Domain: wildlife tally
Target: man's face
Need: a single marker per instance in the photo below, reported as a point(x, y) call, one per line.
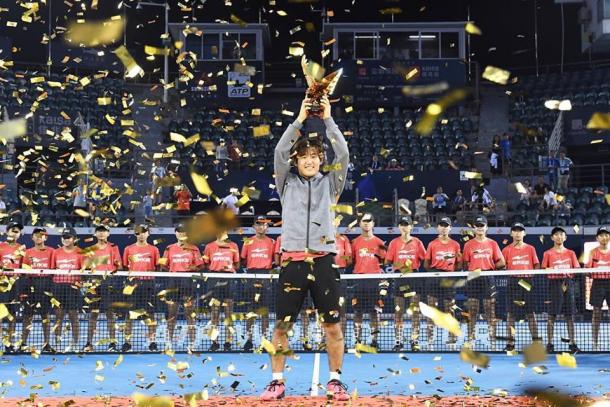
point(39, 238)
point(603, 239)
point(405, 229)
point(443, 229)
point(181, 236)
point(308, 164)
point(13, 234)
point(102, 235)
point(142, 236)
point(517, 235)
point(67, 241)
point(260, 228)
point(480, 229)
point(367, 226)
point(559, 237)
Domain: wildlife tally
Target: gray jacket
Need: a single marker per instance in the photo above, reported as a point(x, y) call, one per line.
point(307, 214)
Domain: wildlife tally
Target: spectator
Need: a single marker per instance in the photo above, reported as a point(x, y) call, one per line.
point(439, 201)
point(493, 162)
point(2, 205)
point(157, 172)
point(147, 201)
point(183, 200)
point(375, 164)
point(230, 201)
point(562, 210)
point(526, 196)
point(222, 155)
point(495, 142)
point(549, 200)
point(459, 202)
point(421, 210)
point(505, 144)
point(540, 187)
point(349, 180)
point(235, 154)
point(393, 165)
point(552, 165)
point(564, 164)
point(482, 199)
point(79, 196)
point(404, 207)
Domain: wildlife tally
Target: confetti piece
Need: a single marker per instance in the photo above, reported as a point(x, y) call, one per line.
point(534, 353)
point(427, 123)
point(149, 50)
point(475, 358)
point(132, 69)
point(360, 347)
point(599, 121)
point(347, 209)
point(520, 188)
point(472, 29)
point(201, 183)
point(566, 360)
point(496, 75)
point(95, 33)
point(268, 346)
point(441, 319)
point(142, 400)
point(261, 131)
point(473, 175)
point(3, 312)
point(526, 286)
point(11, 129)
point(128, 289)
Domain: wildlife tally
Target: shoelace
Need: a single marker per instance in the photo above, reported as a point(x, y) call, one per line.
point(271, 386)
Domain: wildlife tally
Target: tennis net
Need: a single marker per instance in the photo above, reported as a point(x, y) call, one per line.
point(62, 311)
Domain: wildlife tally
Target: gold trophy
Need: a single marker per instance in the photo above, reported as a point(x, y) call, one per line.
point(318, 85)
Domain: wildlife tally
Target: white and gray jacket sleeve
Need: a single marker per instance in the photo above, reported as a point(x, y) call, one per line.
point(281, 159)
point(339, 146)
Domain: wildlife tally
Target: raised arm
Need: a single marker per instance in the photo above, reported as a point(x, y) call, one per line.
point(281, 159)
point(339, 146)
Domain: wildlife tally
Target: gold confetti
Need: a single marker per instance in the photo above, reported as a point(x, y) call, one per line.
point(360, 347)
point(82, 213)
point(534, 353)
point(149, 50)
point(262, 130)
point(599, 121)
point(132, 69)
point(347, 209)
point(4, 312)
point(475, 358)
point(143, 400)
point(11, 129)
point(268, 346)
point(128, 289)
point(473, 175)
point(427, 123)
point(520, 188)
point(95, 33)
point(441, 319)
point(242, 201)
point(526, 286)
point(496, 75)
point(566, 360)
point(201, 183)
point(472, 29)
point(99, 378)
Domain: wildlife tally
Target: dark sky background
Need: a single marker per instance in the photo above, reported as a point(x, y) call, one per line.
point(507, 40)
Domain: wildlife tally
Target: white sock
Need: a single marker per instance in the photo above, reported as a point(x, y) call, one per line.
point(334, 376)
point(278, 376)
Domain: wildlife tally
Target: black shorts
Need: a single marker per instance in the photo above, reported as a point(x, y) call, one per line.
point(481, 288)
point(259, 292)
point(10, 298)
point(223, 289)
point(408, 286)
point(441, 288)
point(143, 296)
point(519, 301)
point(180, 289)
point(32, 294)
point(295, 283)
point(369, 294)
point(68, 295)
point(561, 297)
point(600, 291)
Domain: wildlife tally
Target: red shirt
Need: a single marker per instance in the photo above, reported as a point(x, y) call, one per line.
point(184, 200)
point(182, 259)
point(38, 259)
point(344, 251)
point(443, 256)
point(141, 258)
point(221, 258)
point(520, 258)
point(482, 255)
point(599, 259)
point(11, 255)
point(368, 255)
point(565, 259)
point(113, 257)
point(277, 248)
point(401, 253)
point(258, 253)
point(63, 260)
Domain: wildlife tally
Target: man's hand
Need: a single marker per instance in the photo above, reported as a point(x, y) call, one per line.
point(303, 113)
point(327, 110)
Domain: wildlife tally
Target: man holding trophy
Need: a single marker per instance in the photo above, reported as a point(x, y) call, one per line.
point(308, 234)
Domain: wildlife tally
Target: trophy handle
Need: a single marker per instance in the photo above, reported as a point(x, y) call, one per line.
point(332, 79)
point(308, 78)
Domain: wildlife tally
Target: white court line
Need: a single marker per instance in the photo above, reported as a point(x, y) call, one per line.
point(315, 377)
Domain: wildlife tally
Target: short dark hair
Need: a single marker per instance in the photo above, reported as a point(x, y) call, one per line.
point(302, 145)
